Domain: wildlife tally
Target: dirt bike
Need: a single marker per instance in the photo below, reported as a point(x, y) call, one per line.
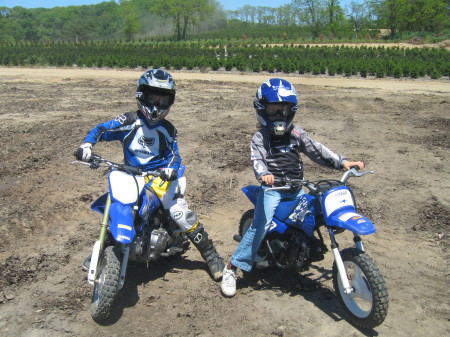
point(291, 243)
point(134, 227)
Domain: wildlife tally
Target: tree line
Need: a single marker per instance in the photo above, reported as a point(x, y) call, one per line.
point(188, 19)
point(328, 15)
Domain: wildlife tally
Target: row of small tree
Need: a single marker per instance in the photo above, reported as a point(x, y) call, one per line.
point(339, 60)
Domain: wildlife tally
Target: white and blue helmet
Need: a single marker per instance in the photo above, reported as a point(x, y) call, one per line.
point(276, 90)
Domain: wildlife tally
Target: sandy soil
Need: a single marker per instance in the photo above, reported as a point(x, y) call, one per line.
point(399, 127)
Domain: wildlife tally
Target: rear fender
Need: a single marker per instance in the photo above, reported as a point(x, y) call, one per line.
point(251, 191)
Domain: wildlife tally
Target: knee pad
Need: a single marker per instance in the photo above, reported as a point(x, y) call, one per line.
point(183, 216)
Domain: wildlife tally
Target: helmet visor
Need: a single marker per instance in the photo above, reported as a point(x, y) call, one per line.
point(278, 109)
point(159, 99)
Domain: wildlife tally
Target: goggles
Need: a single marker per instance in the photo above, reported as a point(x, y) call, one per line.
point(280, 109)
point(161, 100)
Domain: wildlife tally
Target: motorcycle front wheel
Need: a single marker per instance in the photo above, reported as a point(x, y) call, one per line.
point(367, 305)
point(106, 284)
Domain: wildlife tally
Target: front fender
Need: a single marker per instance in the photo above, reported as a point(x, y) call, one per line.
point(122, 222)
point(352, 221)
point(339, 210)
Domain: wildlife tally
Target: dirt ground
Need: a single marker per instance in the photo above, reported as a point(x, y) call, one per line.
point(400, 128)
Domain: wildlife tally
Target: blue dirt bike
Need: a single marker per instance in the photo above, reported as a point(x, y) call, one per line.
point(134, 227)
point(291, 243)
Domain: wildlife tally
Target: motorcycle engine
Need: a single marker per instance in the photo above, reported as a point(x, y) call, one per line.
point(149, 246)
point(294, 249)
point(284, 251)
point(136, 248)
point(158, 243)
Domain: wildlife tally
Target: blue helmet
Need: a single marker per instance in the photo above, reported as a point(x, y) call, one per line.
point(278, 118)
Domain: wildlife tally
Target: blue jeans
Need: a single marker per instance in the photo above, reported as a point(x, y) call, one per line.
point(266, 204)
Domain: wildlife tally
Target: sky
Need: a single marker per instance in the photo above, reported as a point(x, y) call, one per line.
point(227, 4)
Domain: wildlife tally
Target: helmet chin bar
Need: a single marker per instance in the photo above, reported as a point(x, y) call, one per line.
point(153, 114)
point(279, 128)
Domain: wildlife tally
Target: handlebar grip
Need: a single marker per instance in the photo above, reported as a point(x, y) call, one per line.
point(133, 170)
point(356, 167)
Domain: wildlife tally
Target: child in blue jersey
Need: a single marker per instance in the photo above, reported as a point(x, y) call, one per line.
point(149, 142)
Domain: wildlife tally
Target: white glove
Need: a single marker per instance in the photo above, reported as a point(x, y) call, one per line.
point(168, 173)
point(84, 152)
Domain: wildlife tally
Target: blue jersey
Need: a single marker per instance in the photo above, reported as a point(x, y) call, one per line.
point(146, 146)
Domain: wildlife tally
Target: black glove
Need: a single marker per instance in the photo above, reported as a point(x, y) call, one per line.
point(168, 173)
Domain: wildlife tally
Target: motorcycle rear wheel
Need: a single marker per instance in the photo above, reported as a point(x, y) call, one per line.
point(367, 305)
point(246, 221)
point(107, 284)
point(244, 224)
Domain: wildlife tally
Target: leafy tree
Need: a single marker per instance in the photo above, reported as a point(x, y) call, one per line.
point(184, 13)
point(285, 15)
point(312, 13)
point(334, 15)
point(131, 19)
point(423, 15)
point(108, 21)
point(359, 16)
point(388, 14)
point(9, 27)
point(413, 15)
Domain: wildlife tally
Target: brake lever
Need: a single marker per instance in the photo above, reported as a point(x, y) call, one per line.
point(94, 165)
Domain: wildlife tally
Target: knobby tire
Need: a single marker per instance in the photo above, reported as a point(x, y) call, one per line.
point(107, 287)
point(373, 284)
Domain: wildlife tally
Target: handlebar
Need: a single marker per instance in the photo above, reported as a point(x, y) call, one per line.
point(97, 161)
point(313, 186)
point(353, 172)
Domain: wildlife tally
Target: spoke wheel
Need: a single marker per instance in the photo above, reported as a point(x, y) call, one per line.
point(367, 304)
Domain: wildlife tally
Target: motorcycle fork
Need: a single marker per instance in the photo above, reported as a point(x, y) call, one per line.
point(99, 245)
point(339, 263)
point(124, 250)
point(104, 223)
point(358, 242)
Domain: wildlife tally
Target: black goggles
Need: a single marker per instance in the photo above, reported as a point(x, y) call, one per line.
point(161, 100)
point(281, 109)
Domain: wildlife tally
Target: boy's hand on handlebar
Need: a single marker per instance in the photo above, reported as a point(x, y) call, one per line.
point(84, 152)
point(168, 174)
point(268, 179)
point(349, 164)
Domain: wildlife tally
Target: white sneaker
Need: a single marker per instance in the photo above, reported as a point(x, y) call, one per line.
point(228, 284)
